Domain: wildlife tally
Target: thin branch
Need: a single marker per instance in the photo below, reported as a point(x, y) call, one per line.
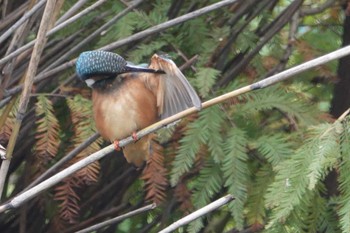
point(273, 28)
point(24, 18)
point(52, 31)
point(64, 160)
point(2, 151)
point(170, 23)
point(293, 28)
point(95, 34)
point(142, 34)
point(13, 16)
point(27, 195)
point(315, 10)
point(40, 77)
point(118, 219)
point(203, 211)
point(28, 83)
point(71, 11)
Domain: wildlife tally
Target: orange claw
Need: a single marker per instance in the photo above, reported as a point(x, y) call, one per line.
point(116, 145)
point(134, 136)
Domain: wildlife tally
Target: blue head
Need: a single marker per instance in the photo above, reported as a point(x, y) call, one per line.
point(99, 63)
point(93, 66)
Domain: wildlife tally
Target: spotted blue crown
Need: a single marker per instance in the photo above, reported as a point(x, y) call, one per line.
point(93, 63)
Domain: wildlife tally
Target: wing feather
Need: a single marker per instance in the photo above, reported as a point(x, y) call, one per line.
point(174, 92)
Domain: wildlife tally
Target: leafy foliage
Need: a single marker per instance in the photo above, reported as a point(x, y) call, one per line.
point(48, 130)
point(154, 175)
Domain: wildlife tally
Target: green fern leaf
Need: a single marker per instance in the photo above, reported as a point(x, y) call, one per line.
point(205, 79)
point(205, 187)
point(298, 176)
point(144, 52)
point(344, 178)
point(275, 148)
point(256, 202)
point(277, 98)
point(204, 131)
point(47, 133)
point(236, 173)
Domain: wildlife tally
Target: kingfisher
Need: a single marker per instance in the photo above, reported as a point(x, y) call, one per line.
point(128, 97)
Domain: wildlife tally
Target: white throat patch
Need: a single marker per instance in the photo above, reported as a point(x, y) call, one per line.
point(89, 82)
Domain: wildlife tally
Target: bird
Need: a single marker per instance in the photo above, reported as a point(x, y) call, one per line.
point(127, 97)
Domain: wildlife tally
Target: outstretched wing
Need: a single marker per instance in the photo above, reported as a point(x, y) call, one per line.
point(174, 92)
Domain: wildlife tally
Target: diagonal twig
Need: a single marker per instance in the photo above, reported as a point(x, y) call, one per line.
point(167, 24)
point(24, 18)
point(52, 31)
point(118, 219)
point(203, 211)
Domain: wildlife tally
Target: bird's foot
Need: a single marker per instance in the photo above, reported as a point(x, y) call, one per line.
point(134, 137)
point(116, 145)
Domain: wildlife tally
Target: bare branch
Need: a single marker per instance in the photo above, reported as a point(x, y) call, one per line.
point(118, 219)
point(203, 211)
point(71, 11)
point(24, 18)
point(317, 9)
point(64, 160)
point(52, 31)
point(95, 33)
point(167, 24)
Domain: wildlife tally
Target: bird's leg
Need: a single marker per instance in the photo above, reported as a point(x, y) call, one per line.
point(134, 136)
point(116, 145)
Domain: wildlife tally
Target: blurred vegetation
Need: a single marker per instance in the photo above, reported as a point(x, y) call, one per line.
point(279, 151)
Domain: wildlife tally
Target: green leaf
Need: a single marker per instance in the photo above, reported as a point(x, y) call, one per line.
point(205, 79)
point(236, 172)
point(344, 178)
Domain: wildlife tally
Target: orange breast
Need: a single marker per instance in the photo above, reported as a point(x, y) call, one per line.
point(128, 109)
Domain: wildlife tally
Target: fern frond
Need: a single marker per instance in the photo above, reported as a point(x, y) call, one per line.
point(298, 176)
point(236, 173)
point(275, 148)
point(47, 133)
point(208, 184)
point(183, 196)
point(84, 127)
point(256, 212)
point(65, 193)
point(6, 130)
point(277, 98)
point(144, 51)
point(154, 174)
point(205, 131)
point(344, 179)
point(324, 146)
point(205, 79)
